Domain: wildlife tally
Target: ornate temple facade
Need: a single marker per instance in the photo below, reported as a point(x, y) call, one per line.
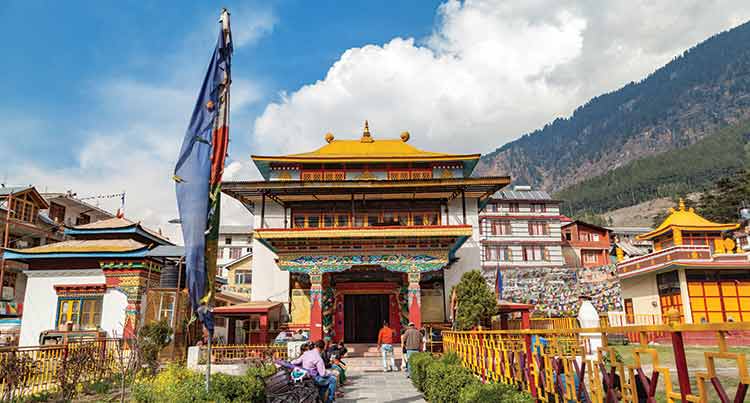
point(696, 268)
point(363, 231)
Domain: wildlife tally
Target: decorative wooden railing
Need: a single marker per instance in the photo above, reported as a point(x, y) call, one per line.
point(240, 352)
point(579, 365)
point(41, 365)
point(546, 323)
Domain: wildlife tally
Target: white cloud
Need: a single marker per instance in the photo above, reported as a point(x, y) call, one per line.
point(255, 24)
point(491, 71)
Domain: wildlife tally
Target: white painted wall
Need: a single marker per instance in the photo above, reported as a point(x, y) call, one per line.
point(643, 291)
point(40, 303)
point(269, 282)
point(114, 305)
point(468, 254)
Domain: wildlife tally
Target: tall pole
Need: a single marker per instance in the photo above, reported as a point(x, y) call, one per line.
point(5, 244)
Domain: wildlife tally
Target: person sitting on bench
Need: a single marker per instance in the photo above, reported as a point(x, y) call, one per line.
point(312, 361)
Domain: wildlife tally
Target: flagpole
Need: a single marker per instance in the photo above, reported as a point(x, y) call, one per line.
point(208, 363)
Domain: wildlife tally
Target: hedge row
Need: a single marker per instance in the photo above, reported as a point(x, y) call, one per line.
point(179, 384)
point(445, 380)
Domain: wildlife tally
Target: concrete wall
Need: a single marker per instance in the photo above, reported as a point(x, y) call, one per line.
point(269, 282)
point(114, 305)
point(40, 303)
point(643, 291)
point(468, 254)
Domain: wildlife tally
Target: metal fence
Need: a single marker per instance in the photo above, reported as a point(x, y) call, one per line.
point(241, 352)
point(39, 366)
point(579, 365)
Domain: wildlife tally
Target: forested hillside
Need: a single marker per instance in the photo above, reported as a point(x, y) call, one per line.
point(699, 92)
point(677, 172)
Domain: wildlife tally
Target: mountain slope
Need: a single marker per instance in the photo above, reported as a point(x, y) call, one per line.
point(675, 172)
point(706, 88)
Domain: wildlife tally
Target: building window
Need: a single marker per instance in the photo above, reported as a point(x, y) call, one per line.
point(590, 256)
point(57, 213)
point(235, 253)
point(83, 313)
point(83, 219)
point(568, 236)
point(494, 253)
point(537, 228)
point(243, 277)
point(166, 307)
point(410, 174)
point(513, 207)
point(500, 227)
point(538, 208)
point(535, 254)
point(227, 241)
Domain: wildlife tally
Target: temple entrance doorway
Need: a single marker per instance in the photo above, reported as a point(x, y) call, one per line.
point(363, 316)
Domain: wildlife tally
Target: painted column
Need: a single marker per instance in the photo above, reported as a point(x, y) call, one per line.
point(687, 311)
point(264, 328)
point(316, 305)
point(415, 298)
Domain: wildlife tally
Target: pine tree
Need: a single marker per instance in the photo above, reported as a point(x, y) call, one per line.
point(476, 301)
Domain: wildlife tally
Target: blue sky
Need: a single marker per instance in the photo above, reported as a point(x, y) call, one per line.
point(97, 94)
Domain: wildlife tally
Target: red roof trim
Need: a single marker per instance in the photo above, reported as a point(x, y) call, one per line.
point(80, 288)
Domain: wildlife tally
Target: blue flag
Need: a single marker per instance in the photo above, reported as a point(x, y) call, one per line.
point(198, 176)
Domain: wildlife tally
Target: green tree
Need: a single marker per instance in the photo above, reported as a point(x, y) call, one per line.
point(727, 195)
point(476, 302)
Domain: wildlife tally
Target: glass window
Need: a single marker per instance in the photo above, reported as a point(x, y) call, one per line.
point(329, 221)
point(513, 207)
point(500, 227)
point(538, 228)
point(343, 220)
point(418, 219)
point(243, 277)
point(299, 221)
point(359, 220)
point(535, 254)
point(313, 221)
point(227, 241)
point(497, 253)
point(83, 313)
point(372, 220)
point(403, 219)
point(166, 306)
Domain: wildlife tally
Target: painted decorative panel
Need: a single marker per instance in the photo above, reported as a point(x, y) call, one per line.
point(336, 263)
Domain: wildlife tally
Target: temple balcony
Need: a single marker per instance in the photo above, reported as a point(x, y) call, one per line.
point(695, 256)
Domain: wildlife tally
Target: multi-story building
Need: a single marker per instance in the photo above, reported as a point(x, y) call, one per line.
point(339, 232)
point(521, 228)
point(235, 241)
point(590, 243)
point(695, 269)
point(66, 209)
point(626, 243)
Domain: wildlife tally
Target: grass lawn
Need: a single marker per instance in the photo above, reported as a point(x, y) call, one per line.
point(695, 355)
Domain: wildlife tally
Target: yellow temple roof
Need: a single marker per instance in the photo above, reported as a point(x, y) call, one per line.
point(686, 220)
point(367, 149)
point(85, 246)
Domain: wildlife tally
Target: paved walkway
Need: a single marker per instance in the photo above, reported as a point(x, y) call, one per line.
point(380, 387)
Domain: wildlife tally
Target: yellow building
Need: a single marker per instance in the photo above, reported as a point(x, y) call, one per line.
point(239, 275)
point(694, 268)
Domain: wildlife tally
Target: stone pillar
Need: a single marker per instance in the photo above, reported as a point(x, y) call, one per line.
point(415, 298)
point(316, 305)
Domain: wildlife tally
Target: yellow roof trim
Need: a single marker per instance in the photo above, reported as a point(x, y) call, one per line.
point(85, 246)
point(686, 220)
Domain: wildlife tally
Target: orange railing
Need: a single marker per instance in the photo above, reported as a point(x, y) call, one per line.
point(580, 365)
point(39, 365)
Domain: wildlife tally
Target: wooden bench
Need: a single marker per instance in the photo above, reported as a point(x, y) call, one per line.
point(281, 389)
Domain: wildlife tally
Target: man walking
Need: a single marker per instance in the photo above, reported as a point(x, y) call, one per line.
point(385, 345)
point(411, 343)
point(312, 361)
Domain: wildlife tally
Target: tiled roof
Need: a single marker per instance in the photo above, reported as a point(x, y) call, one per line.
point(686, 219)
point(86, 246)
point(522, 195)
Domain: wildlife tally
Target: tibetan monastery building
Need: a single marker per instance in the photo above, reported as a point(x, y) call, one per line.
point(363, 231)
point(695, 269)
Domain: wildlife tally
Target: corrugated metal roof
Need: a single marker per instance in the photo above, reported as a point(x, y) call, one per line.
point(521, 195)
point(236, 229)
point(630, 249)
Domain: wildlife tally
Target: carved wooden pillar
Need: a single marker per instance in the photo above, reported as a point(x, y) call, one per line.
point(415, 298)
point(316, 305)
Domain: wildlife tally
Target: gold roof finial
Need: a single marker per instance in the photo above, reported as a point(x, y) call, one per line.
point(329, 137)
point(682, 204)
point(366, 138)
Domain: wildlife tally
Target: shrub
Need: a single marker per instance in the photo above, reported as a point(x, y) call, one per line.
point(450, 358)
point(418, 368)
point(152, 338)
point(445, 382)
point(493, 393)
point(98, 387)
point(178, 384)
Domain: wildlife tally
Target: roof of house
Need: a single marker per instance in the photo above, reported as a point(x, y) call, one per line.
point(236, 229)
point(8, 190)
point(522, 195)
point(118, 225)
point(629, 230)
point(81, 249)
point(68, 200)
point(366, 149)
point(631, 249)
point(14, 190)
point(585, 224)
point(686, 219)
point(238, 260)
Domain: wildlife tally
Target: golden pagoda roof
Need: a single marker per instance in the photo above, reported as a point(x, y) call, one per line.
point(367, 149)
point(686, 220)
point(78, 246)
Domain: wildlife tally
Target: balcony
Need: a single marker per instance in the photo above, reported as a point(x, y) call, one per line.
point(700, 256)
